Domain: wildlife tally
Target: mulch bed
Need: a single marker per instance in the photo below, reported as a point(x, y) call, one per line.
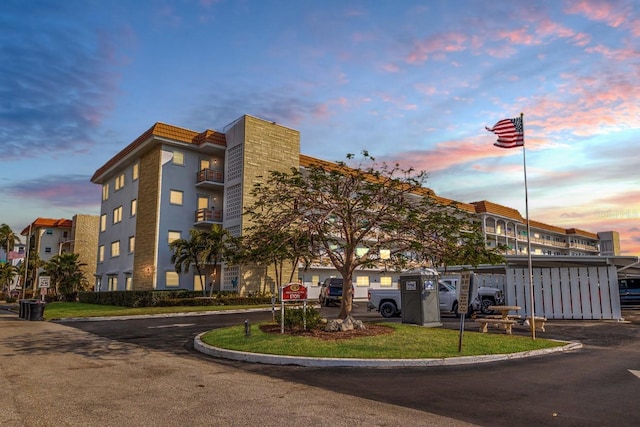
point(320, 333)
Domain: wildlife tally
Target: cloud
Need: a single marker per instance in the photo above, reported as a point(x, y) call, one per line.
point(57, 82)
point(612, 13)
point(64, 191)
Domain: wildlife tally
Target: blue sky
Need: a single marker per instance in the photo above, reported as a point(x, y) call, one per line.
point(410, 81)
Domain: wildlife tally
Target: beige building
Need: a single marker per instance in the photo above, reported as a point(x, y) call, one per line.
point(170, 180)
point(51, 237)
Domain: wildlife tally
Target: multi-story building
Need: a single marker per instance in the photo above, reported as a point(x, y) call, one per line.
point(170, 180)
point(51, 237)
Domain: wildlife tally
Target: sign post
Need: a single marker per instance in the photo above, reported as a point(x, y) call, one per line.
point(463, 302)
point(43, 284)
point(293, 292)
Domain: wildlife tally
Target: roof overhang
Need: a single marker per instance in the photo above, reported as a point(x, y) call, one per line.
point(626, 265)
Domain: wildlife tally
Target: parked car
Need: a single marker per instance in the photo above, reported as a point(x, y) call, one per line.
point(629, 291)
point(331, 291)
point(388, 303)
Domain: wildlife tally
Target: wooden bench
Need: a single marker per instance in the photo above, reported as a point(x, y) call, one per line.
point(539, 322)
point(507, 323)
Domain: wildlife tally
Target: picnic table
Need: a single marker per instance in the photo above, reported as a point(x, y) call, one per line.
point(505, 319)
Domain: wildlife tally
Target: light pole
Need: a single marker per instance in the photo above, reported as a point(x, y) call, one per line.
point(62, 243)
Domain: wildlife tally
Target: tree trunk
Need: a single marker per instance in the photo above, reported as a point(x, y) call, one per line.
point(346, 306)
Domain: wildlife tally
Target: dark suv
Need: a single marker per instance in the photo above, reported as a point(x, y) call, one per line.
point(629, 291)
point(331, 291)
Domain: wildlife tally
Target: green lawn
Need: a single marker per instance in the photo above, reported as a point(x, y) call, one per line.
point(64, 310)
point(406, 342)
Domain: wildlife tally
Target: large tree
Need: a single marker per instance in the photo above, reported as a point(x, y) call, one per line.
point(8, 272)
point(367, 214)
point(8, 239)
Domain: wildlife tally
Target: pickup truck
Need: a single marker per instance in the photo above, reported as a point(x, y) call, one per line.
point(330, 291)
point(387, 301)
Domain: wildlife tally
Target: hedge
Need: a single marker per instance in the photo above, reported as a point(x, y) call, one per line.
point(170, 298)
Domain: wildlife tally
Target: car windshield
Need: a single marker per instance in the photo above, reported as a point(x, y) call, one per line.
point(447, 285)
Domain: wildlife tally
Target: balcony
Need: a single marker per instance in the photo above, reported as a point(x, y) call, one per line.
point(208, 216)
point(209, 178)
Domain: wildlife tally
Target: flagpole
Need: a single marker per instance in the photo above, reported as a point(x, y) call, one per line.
point(526, 208)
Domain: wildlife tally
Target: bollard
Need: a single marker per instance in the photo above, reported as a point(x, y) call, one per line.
point(247, 328)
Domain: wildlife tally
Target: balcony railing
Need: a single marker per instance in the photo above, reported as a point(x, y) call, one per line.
point(208, 215)
point(209, 175)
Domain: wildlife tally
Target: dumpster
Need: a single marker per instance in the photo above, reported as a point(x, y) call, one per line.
point(36, 310)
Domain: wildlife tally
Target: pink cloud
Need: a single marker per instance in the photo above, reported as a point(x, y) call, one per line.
point(391, 68)
point(437, 46)
point(608, 12)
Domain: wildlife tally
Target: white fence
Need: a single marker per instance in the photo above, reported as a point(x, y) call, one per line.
point(566, 292)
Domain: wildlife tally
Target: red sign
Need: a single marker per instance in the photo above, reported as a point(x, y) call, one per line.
point(294, 292)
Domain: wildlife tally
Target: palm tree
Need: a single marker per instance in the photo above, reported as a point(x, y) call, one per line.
point(65, 272)
point(202, 249)
point(7, 273)
point(8, 239)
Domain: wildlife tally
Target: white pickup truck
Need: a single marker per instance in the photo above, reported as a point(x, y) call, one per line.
point(387, 301)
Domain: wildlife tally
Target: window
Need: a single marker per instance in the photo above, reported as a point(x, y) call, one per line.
point(360, 252)
point(103, 222)
point(132, 244)
point(198, 280)
point(172, 279)
point(362, 281)
point(115, 248)
point(117, 215)
point(113, 283)
point(119, 182)
point(203, 202)
point(101, 253)
point(134, 207)
point(49, 231)
point(135, 172)
point(128, 283)
point(175, 197)
point(315, 280)
point(205, 164)
point(105, 192)
point(47, 250)
point(65, 234)
point(178, 158)
point(173, 235)
point(386, 281)
point(385, 253)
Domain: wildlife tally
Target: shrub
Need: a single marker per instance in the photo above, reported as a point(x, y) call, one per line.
point(294, 317)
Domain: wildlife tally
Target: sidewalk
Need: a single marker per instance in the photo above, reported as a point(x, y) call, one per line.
point(54, 375)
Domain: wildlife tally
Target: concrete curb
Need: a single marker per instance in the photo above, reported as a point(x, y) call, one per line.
point(270, 359)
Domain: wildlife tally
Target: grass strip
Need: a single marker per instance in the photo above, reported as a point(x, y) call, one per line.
point(65, 310)
point(406, 342)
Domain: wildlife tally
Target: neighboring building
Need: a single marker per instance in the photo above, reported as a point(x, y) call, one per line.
point(170, 180)
point(51, 237)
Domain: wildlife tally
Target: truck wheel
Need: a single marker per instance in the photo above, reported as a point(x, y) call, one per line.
point(484, 306)
point(387, 309)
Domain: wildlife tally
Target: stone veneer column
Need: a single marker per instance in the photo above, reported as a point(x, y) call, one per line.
point(268, 146)
point(144, 264)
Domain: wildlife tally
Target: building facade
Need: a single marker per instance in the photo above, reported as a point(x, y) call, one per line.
point(51, 237)
point(171, 180)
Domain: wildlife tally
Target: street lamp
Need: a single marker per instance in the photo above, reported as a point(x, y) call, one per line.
point(64, 243)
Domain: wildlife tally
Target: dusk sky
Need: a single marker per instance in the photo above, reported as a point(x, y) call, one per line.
point(414, 82)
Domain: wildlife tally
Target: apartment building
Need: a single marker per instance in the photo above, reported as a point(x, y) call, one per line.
point(50, 237)
point(170, 180)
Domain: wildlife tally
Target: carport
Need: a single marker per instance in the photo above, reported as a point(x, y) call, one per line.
point(564, 287)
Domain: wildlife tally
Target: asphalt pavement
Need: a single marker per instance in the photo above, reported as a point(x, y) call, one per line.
point(54, 374)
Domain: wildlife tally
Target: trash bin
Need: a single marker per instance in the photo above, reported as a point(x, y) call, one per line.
point(24, 308)
point(36, 310)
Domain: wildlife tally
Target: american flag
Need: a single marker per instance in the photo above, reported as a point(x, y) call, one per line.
point(510, 133)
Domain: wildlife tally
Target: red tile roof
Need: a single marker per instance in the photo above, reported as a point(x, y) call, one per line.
point(47, 223)
point(163, 130)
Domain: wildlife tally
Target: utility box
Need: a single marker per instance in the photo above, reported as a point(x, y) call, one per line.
point(420, 298)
